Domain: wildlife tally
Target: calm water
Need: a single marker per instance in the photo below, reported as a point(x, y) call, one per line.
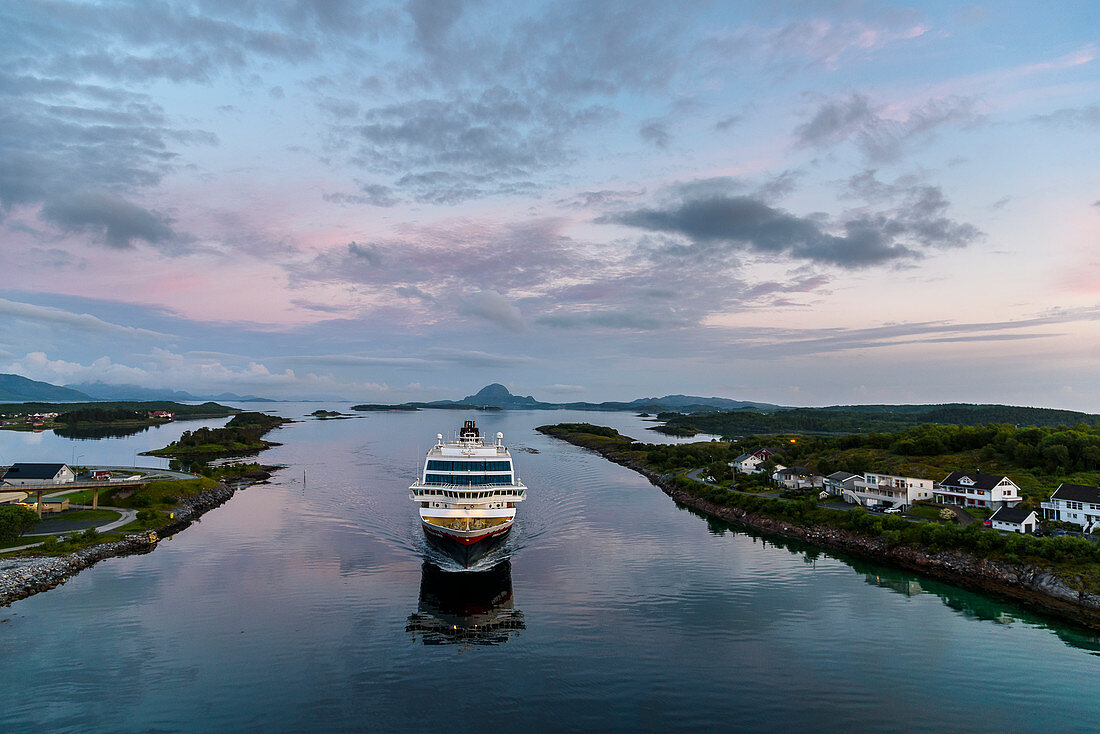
point(309, 606)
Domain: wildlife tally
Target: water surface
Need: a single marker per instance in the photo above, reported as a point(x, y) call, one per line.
point(307, 604)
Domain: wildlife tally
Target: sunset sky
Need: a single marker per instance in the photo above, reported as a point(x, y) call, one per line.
point(801, 203)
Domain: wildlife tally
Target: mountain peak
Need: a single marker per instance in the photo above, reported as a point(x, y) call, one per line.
point(498, 396)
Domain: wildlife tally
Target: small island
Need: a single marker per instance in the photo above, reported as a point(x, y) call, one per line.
point(243, 434)
point(328, 415)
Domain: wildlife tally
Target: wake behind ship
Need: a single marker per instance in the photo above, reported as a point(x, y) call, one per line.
point(467, 494)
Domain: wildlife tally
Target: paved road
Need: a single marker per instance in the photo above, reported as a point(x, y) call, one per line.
point(126, 516)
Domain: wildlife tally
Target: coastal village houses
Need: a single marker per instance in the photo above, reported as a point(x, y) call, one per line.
point(887, 489)
point(750, 463)
point(24, 475)
point(973, 489)
point(1074, 503)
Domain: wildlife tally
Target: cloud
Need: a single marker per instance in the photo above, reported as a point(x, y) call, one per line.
point(458, 147)
point(191, 371)
point(721, 225)
point(81, 322)
point(741, 223)
point(116, 220)
point(475, 358)
point(811, 42)
point(610, 319)
point(775, 343)
point(1072, 117)
point(355, 360)
point(585, 199)
point(879, 136)
point(727, 122)
point(495, 308)
point(370, 195)
point(655, 132)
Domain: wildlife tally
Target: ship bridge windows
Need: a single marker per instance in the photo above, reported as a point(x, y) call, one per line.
point(469, 466)
point(466, 480)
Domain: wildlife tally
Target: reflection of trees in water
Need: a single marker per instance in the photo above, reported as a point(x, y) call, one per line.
point(968, 603)
point(470, 607)
point(96, 432)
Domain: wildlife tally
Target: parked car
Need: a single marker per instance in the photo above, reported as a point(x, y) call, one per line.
point(874, 508)
point(892, 510)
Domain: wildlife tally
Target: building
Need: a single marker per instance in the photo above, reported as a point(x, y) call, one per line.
point(838, 481)
point(25, 475)
point(797, 477)
point(750, 463)
point(12, 498)
point(1015, 520)
point(54, 504)
point(973, 489)
point(1075, 503)
point(887, 489)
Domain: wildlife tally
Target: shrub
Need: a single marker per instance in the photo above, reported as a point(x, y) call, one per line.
point(14, 521)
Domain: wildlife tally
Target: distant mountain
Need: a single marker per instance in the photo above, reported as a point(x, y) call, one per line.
point(103, 391)
point(498, 396)
point(18, 389)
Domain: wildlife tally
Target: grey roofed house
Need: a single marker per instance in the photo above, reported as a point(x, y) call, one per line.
point(1014, 515)
point(1076, 493)
point(25, 472)
point(842, 476)
point(978, 481)
point(33, 471)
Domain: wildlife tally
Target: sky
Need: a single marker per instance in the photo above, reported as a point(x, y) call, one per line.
point(807, 203)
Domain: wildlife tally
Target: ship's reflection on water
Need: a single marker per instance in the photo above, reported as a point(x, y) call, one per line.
point(473, 607)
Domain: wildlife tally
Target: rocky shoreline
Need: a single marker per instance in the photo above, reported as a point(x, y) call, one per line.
point(1032, 586)
point(26, 576)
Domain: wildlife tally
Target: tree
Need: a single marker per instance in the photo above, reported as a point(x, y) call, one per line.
point(14, 521)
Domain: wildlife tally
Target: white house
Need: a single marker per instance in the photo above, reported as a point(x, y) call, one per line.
point(839, 481)
point(797, 477)
point(972, 489)
point(750, 463)
point(1015, 520)
point(24, 475)
point(888, 489)
point(1075, 503)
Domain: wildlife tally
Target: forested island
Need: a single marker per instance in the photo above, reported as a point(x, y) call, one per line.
point(93, 420)
point(1058, 574)
point(863, 419)
point(243, 434)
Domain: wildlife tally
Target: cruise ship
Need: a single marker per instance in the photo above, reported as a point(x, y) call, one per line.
point(467, 494)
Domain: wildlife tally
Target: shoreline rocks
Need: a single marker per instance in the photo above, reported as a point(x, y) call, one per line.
point(21, 577)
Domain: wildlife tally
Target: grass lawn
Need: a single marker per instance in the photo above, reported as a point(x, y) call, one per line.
point(925, 513)
point(98, 515)
point(18, 542)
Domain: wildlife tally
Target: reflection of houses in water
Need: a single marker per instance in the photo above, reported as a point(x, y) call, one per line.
point(473, 607)
point(902, 585)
